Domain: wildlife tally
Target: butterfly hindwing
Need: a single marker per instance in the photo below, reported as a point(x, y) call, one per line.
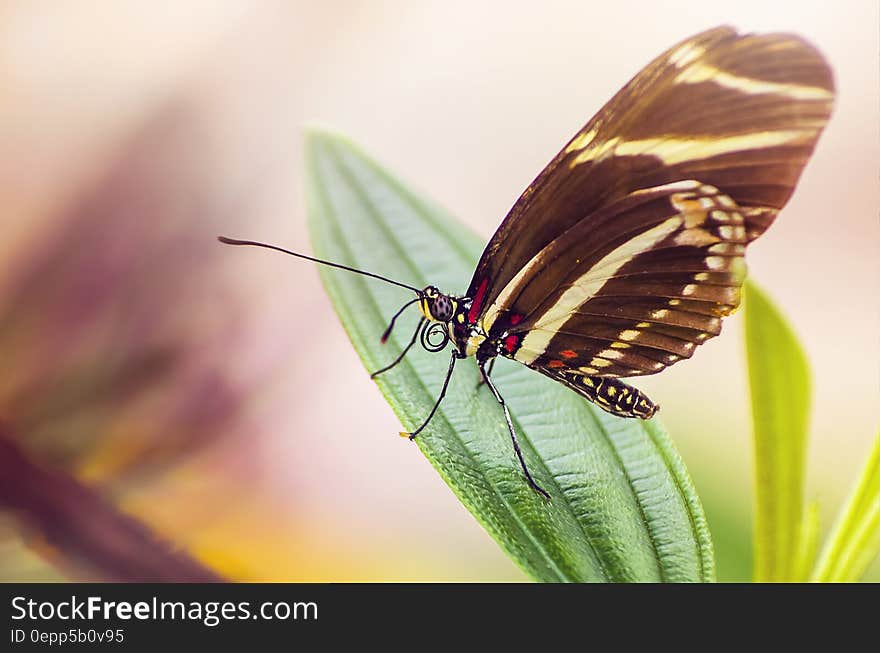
point(636, 303)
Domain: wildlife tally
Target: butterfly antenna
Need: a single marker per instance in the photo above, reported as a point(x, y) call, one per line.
point(233, 241)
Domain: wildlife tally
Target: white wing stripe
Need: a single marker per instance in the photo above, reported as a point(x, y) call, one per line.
point(701, 72)
point(674, 150)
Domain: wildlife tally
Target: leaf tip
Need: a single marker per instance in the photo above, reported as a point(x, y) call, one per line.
point(316, 133)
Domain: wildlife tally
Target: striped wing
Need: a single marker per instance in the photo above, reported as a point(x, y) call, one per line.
point(635, 304)
point(627, 249)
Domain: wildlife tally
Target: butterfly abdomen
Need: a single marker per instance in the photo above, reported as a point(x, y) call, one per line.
point(616, 397)
point(610, 394)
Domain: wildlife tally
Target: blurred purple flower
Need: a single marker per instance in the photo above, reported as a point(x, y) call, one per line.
point(117, 328)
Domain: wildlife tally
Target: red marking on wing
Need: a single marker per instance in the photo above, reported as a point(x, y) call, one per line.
point(510, 342)
point(516, 318)
point(477, 304)
point(568, 353)
point(556, 364)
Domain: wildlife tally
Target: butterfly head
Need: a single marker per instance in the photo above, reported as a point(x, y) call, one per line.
point(436, 306)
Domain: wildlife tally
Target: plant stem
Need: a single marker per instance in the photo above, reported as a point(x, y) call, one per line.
point(81, 532)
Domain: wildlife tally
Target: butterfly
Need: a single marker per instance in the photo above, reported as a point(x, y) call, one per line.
point(627, 250)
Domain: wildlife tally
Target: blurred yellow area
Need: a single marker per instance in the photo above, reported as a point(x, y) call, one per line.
point(171, 409)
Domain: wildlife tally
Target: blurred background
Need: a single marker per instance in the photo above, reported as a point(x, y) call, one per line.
point(174, 409)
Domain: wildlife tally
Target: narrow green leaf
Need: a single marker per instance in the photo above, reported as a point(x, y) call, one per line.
point(807, 543)
point(855, 539)
point(623, 507)
point(779, 378)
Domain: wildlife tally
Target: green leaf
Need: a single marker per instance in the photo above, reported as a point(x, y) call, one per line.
point(623, 507)
point(779, 378)
point(808, 543)
point(855, 539)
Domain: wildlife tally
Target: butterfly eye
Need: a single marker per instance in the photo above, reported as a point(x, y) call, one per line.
point(441, 309)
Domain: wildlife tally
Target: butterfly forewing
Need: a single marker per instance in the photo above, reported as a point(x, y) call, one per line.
point(627, 250)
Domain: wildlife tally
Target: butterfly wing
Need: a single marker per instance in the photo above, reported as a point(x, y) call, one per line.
point(627, 249)
point(636, 303)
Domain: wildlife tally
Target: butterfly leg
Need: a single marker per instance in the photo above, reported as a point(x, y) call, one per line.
point(401, 354)
point(412, 436)
point(484, 374)
point(537, 488)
